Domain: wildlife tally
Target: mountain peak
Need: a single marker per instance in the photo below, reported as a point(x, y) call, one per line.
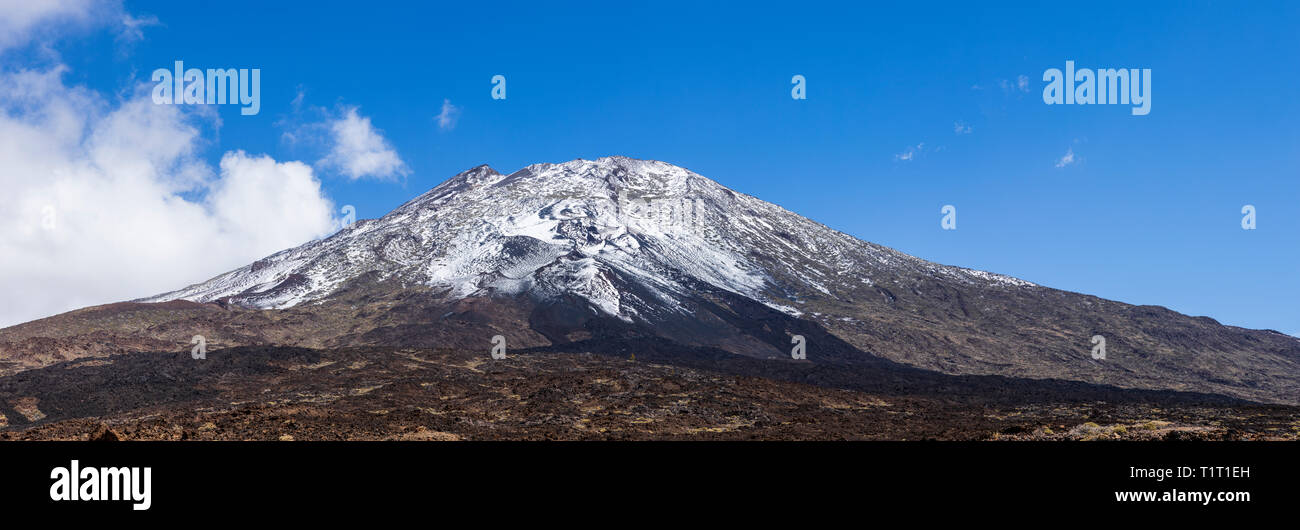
point(479, 175)
point(609, 163)
point(608, 176)
point(478, 170)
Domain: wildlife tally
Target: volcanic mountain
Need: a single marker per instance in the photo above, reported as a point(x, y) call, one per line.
point(632, 255)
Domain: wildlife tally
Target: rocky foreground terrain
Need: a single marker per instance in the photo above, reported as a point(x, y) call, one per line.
point(270, 393)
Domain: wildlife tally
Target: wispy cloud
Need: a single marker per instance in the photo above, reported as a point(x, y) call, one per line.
point(961, 127)
point(447, 118)
point(1067, 159)
point(910, 153)
point(1020, 84)
point(296, 103)
point(132, 27)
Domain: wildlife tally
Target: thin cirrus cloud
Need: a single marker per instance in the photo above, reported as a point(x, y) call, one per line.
point(911, 153)
point(1067, 159)
point(359, 150)
point(1009, 86)
point(132, 27)
point(447, 117)
point(107, 198)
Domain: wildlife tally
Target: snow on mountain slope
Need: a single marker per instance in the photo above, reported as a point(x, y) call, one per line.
point(554, 229)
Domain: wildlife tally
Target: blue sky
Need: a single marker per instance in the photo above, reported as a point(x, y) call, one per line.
point(1148, 212)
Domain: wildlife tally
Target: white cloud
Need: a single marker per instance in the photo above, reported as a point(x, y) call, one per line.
point(1010, 87)
point(961, 127)
point(1067, 159)
point(251, 198)
point(132, 28)
point(910, 153)
point(21, 19)
point(110, 201)
point(296, 103)
point(447, 118)
point(40, 22)
point(359, 150)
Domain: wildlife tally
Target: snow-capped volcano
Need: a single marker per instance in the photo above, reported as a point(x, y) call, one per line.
point(618, 249)
point(550, 230)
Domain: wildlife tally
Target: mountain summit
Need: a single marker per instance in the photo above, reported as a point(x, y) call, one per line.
point(621, 254)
